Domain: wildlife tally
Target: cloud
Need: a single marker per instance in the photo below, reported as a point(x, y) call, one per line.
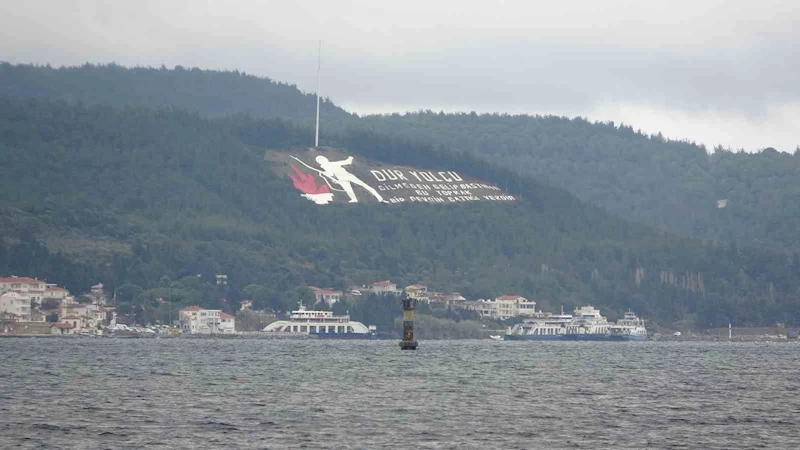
point(711, 71)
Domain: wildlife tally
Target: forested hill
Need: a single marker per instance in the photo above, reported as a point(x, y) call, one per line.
point(133, 197)
point(211, 93)
point(753, 199)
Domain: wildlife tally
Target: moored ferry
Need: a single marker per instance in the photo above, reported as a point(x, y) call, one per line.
point(321, 324)
point(629, 328)
point(550, 328)
point(587, 325)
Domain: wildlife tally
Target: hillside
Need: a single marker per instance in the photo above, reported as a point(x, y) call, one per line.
point(134, 197)
point(752, 199)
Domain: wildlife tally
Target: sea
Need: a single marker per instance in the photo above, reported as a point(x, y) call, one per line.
point(100, 393)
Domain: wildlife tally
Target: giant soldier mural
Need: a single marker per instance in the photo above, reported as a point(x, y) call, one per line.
point(334, 178)
point(335, 171)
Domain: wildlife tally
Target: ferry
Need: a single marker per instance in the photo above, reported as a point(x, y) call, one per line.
point(587, 325)
point(629, 328)
point(322, 325)
point(551, 328)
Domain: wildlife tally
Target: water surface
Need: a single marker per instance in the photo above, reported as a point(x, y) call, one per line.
point(171, 393)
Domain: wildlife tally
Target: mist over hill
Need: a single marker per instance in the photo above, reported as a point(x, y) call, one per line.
point(131, 196)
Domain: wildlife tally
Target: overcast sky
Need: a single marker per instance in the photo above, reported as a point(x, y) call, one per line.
point(716, 72)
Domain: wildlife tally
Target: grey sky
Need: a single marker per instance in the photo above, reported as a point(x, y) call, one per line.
point(709, 71)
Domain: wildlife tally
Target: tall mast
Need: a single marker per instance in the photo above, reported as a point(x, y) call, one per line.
point(319, 64)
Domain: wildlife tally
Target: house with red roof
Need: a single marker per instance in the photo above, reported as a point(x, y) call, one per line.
point(31, 289)
point(227, 323)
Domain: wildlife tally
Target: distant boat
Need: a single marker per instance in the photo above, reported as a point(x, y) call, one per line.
point(496, 337)
point(321, 325)
point(629, 328)
point(585, 324)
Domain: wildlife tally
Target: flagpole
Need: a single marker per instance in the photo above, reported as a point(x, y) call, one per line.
point(319, 64)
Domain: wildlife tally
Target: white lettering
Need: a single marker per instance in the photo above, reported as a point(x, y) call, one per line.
point(378, 175)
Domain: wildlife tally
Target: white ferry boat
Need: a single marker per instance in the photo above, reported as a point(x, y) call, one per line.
point(587, 325)
point(629, 328)
point(550, 328)
point(321, 324)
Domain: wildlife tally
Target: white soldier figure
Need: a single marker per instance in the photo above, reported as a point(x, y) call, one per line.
point(336, 172)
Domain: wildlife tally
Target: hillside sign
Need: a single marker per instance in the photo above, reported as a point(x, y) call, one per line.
point(330, 177)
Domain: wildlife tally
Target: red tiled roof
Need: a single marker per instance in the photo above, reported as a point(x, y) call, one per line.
point(20, 280)
point(192, 308)
point(63, 325)
point(223, 315)
point(71, 318)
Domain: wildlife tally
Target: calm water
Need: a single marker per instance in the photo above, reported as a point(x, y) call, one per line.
point(106, 393)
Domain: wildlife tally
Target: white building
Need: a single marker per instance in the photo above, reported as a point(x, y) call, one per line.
point(196, 320)
point(16, 303)
point(59, 294)
point(227, 324)
point(326, 295)
point(448, 298)
point(505, 307)
point(384, 287)
point(418, 292)
point(31, 287)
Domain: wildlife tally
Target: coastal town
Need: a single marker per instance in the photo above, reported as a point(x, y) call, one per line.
point(33, 307)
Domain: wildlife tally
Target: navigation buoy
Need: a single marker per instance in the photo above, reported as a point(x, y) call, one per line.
point(408, 342)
